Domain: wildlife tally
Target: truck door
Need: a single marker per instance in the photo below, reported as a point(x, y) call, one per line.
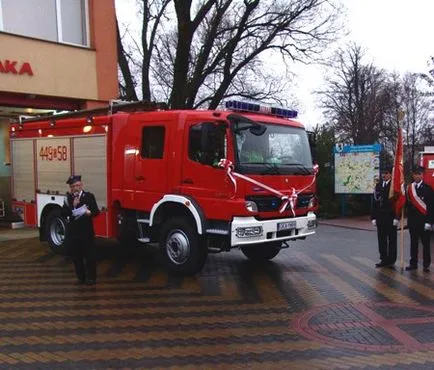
point(205, 143)
point(151, 159)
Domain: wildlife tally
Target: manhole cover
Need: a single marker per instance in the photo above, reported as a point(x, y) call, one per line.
point(370, 326)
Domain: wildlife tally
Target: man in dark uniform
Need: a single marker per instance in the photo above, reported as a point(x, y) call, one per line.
point(420, 217)
point(384, 218)
point(80, 206)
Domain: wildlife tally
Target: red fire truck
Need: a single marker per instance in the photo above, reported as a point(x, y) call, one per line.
point(426, 159)
point(194, 181)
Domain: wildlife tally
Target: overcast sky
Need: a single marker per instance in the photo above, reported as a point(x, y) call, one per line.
point(397, 35)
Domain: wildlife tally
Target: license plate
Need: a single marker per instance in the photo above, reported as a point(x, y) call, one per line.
point(289, 225)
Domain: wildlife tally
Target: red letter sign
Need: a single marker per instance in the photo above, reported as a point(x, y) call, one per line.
point(10, 66)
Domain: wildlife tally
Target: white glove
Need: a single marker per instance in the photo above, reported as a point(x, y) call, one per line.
point(427, 227)
point(374, 222)
point(395, 222)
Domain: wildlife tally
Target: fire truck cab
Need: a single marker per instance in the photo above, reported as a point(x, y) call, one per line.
point(193, 181)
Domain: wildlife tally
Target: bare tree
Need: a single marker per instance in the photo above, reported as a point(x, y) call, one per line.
point(416, 120)
point(127, 88)
point(135, 57)
point(392, 118)
point(218, 46)
point(427, 130)
point(150, 25)
point(356, 97)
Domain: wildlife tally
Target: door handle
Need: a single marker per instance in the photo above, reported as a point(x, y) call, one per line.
point(140, 178)
point(187, 181)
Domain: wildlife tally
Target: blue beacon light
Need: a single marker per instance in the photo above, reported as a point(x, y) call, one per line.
point(236, 105)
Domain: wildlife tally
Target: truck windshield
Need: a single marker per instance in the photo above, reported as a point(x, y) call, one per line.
point(266, 148)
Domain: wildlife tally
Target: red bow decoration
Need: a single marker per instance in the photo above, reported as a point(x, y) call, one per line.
point(291, 200)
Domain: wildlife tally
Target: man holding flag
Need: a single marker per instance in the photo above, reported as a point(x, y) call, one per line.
point(390, 195)
point(397, 189)
point(385, 219)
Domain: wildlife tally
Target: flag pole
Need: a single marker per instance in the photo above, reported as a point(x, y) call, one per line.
point(401, 239)
point(398, 192)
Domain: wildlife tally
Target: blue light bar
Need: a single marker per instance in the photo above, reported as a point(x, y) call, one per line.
point(281, 112)
point(241, 106)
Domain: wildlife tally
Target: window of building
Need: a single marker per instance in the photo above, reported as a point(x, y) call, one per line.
point(207, 143)
point(62, 21)
point(153, 142)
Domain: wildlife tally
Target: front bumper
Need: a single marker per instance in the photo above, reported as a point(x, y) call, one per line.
point(303, 226)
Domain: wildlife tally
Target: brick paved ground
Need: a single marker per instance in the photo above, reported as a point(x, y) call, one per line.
point(318, 305)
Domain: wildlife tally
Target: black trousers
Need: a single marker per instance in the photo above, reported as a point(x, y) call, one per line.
point(84, 257)
point(417, 233)
point(387, 243)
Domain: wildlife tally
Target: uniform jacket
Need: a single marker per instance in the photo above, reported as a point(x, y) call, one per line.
point(415, 217)
point(82, 227)
point(382, 210)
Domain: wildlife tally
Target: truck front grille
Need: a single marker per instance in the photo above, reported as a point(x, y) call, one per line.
point(270, 203)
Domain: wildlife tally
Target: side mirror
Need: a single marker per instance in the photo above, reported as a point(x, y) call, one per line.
point(258, 130)
point(311, 136)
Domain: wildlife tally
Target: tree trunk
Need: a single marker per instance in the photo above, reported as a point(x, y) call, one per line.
point(129, 90)
point(179, 94)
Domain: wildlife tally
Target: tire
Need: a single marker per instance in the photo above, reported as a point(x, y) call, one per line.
point(181, 248)
point(262, 252)
point(55, 232)
point(127, 230)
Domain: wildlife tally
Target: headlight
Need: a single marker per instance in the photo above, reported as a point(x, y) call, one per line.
point(247, 232)
point(313, 202)
point(251, 206)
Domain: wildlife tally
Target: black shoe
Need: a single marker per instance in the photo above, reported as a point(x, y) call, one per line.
point(410, 267)
point(80, 282)
point(91, 282)
point(380, 264)
point(391, 266)
point(426, 269)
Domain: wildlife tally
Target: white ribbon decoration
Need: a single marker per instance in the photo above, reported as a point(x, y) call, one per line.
point(291, 199)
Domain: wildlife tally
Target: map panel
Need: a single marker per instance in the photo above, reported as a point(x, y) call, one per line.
point(356, 168)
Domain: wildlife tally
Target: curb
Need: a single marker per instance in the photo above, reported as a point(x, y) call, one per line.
point(345, 226)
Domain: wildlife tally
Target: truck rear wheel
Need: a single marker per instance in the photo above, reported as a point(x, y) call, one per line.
point(181, 249)
point(262, 252)
point(55, 231)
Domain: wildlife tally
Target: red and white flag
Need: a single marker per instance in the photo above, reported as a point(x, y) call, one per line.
point(397, 192)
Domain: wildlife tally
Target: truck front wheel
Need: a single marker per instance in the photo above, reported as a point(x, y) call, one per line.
point(55, 231)
point(181, 249)
point(262, 252)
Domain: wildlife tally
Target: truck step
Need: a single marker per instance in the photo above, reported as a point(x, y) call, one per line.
point(144, 240)
point(143, 221)
point(217, 231)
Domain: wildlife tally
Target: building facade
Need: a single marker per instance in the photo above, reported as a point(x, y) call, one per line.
point(55, 55)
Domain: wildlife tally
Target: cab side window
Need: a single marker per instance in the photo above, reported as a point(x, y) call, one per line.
point(207, 143)
point(152, 142)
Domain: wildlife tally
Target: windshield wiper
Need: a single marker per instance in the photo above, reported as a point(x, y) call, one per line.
point(304, 170)
point(271, 169)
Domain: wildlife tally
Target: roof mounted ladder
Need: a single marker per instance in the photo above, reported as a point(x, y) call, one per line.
point(113, 107)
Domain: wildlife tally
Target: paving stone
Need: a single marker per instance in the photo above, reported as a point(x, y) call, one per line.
point(320, 304)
